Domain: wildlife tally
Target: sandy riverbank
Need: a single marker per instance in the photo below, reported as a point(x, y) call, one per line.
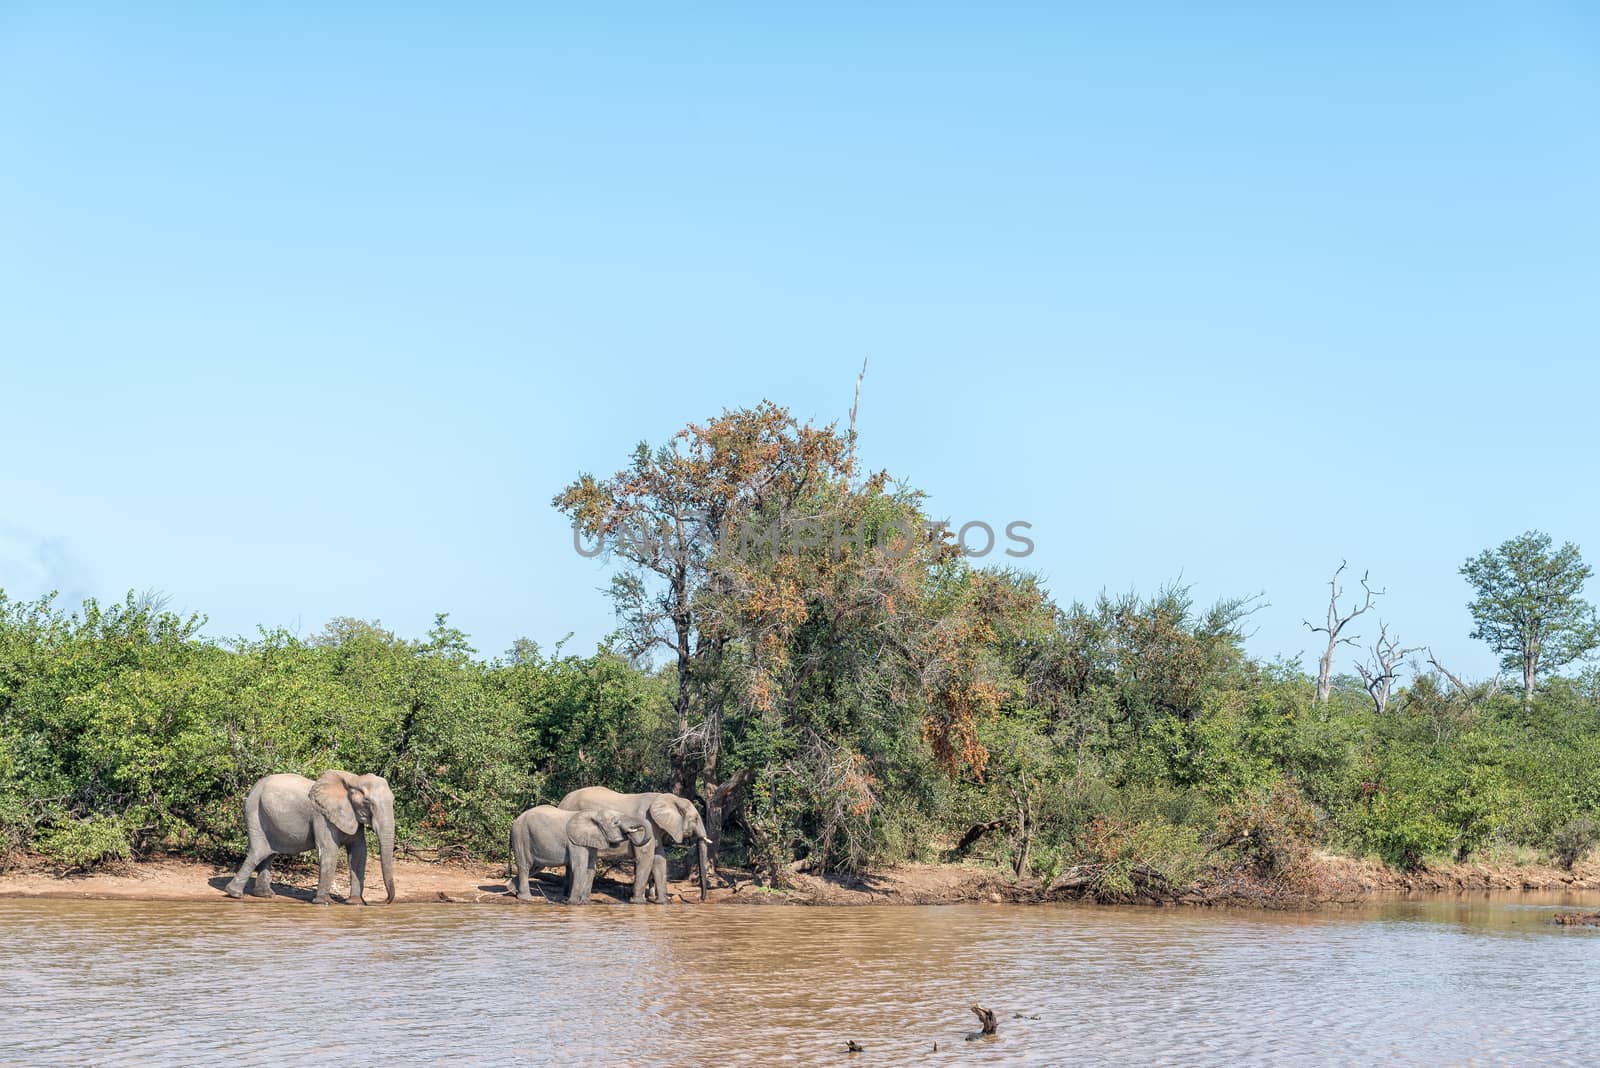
point(1330, 879)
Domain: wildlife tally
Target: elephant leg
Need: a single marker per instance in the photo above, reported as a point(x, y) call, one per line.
point(658, 872)
point(357, 851)
point(569, 882)
point(643, 866)
point(522, 857)
point(591, 868)
point(579, 876)
point(327, 861)
point(259, 854)
point(264, 878)
point(591, 865)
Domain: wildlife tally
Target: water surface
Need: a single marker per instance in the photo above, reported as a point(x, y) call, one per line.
point(1479, 981)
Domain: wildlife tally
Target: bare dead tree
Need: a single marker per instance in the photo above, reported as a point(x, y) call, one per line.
point(1484, 693)
point(1334, 629)
point(1463, 702)
point(1378, 674)
point(1460, 686)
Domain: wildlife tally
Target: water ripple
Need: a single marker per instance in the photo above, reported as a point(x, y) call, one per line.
point(129, 983)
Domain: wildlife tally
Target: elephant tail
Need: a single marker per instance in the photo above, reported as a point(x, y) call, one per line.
point(511, 854)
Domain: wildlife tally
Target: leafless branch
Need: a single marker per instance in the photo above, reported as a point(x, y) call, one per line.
point(1334, 628)
point(1378, 674)
point(1460, 686)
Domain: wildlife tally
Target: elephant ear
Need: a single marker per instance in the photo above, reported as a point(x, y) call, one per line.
point(584, 829)
point(666, 814)
point(331, 795)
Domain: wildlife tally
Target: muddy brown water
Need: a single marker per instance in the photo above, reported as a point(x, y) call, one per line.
point(1458, 981)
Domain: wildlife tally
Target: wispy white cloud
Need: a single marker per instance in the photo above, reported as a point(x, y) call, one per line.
point(32, 564)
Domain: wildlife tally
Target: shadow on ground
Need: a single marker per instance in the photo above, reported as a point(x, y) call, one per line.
point(284, 890)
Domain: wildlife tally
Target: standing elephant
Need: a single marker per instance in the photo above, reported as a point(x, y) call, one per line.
point(670, 817)
point(290, 814)
point(546, 836)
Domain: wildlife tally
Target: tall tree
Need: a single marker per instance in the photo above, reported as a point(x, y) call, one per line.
point(1528, 605)
point(666, 513)
point(815, 620)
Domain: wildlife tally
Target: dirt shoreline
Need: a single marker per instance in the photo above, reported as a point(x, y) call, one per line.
point(1329, 880)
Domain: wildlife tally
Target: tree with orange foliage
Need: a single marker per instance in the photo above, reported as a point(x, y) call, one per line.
point(802, 606)
point(667, 513)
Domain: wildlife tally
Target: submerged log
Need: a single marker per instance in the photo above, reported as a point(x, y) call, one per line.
point(988, 1019)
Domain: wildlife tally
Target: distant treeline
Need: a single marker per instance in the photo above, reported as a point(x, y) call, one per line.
point(831, 705)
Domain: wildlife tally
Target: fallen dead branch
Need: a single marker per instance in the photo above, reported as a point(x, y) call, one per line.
point(988, 1020)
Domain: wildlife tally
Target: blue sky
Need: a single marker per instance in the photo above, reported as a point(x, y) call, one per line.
point(305, 315)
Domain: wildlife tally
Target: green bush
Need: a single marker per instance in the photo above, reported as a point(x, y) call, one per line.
point(1400, 829)
point(89, 843)
point(1126, 736)
point(1273, 831)
point(16, 828)
point(1575, 839)
point(1129, 855)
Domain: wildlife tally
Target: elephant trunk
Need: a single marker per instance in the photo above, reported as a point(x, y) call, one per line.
point(702, 850)
point(384, 825)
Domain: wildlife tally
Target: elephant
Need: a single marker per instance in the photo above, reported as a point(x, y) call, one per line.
point(290, 814)
point(545, 836)
point(670, 817)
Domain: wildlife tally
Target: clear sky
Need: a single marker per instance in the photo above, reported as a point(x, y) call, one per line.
point(309, 314)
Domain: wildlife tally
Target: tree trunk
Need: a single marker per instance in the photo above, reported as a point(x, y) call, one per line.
point(720, 800)
point(704, 863)
point(1325, 675)
point(1024, 829)
point(714, 710)
point(680, 778)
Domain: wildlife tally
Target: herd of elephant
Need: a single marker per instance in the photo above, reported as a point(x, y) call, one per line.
point(286, 814)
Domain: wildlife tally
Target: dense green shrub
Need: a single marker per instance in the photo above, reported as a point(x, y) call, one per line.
point(124, 734)
point(1126, 855)
point(1575, 839)
point(1272, 830)
point(1401, 829)
point(87, 843)
point(1128, 736)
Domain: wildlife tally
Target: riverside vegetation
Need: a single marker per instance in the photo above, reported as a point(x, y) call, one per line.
point(834, 703)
